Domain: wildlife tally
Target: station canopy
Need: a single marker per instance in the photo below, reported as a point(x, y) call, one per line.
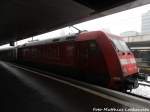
point(21, 19)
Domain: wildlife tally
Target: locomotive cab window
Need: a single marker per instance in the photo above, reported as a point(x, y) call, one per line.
point(120, 45)
point(124, 45)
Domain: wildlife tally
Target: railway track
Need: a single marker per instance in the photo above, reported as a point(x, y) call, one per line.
point(139, 96)
point(144, 84)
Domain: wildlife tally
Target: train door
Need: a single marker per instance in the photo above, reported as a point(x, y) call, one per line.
point(82, 56)
point(91, 63)
point(95, 57)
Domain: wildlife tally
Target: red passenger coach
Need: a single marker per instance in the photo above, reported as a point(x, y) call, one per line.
point(95, 57)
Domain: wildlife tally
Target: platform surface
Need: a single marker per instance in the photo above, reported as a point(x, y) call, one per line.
point(23, 91)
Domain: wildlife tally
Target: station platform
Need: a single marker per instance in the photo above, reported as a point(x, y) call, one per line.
point(24, 90)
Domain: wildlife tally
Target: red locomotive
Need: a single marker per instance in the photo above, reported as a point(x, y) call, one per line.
point(96, 57)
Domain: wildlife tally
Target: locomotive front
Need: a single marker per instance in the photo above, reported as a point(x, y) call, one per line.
point(114, 63)
point(127, 62)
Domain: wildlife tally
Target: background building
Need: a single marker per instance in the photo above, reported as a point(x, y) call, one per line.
point(129, 33)
point(146, 23)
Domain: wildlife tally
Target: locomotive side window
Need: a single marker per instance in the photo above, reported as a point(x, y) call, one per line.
point(93, 47)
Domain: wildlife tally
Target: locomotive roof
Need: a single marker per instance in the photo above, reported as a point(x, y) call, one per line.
point(68, 38)
point(114, 36)
point(60, 39)
point(57, 39)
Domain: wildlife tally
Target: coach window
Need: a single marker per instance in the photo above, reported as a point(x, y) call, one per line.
point(70, 50)
point(55, 51)
point(25, 51)
point(58, 51)
point(34, 51)
point(38, 51)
